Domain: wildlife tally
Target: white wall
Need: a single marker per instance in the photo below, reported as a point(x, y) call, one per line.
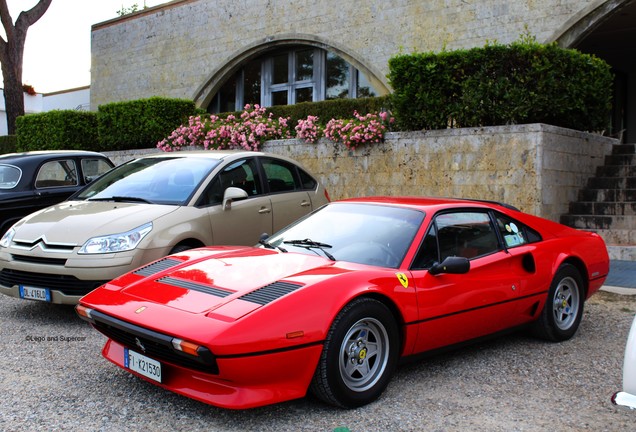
point(72, 99)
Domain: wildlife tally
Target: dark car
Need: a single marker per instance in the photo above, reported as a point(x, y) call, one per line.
point(34, 180)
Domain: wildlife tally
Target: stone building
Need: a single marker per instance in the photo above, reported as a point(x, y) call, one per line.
point(226, 53)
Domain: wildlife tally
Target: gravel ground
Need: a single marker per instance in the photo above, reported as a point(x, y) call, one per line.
point(52, 377)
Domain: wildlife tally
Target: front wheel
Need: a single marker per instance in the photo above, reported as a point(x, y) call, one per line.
point(359, 355)
point(563, 309)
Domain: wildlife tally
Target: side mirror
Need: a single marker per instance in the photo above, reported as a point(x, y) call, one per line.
point(452, 265)
point(231, 194)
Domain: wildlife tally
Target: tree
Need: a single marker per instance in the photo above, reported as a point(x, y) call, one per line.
point(11, 56)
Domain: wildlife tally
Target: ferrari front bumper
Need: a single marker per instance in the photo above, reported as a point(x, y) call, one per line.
point(243, 382)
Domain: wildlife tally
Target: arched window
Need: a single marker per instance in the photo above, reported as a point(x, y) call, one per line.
point(290, 76)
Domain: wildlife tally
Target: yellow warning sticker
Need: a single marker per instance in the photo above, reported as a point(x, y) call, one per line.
point(403, 279)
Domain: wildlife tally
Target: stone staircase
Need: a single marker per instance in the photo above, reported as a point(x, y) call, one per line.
point(607, 205)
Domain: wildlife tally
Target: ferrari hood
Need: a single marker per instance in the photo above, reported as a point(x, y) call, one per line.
point(74, 222)
point(247, 275)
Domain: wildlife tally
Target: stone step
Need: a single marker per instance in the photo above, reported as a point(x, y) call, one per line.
point(620, 159)
point(612, 183)
point(598, 222)
point(616, 171)
point(603, 208)
point(622, 252)
point(618, 237)
point(622, 149)
point(607, 195)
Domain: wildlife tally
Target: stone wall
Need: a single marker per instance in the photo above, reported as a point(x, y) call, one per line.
point(537, 168)
point(174, 49)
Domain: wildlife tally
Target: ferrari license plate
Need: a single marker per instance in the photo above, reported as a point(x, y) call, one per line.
point(142, 365)
point(31, 293)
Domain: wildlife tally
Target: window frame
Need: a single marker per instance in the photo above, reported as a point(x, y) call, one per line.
point(317, 83)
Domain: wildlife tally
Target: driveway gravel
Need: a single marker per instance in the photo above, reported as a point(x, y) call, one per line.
point(53, 378)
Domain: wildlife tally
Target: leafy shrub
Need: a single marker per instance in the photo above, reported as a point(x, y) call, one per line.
point(57, 130)
point(524, 82)
point(140, 123)
point(8, 143)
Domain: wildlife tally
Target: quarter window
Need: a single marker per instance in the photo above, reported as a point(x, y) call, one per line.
point(93, 168)
point(514, 233)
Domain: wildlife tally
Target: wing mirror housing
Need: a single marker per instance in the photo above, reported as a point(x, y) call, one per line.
point(451, 265)
point(231, 194)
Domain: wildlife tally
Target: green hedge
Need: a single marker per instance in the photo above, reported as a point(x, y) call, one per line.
point(57, 130)
point(140, 123)
point(330, 109)
point(8, 144)
point(524, 82)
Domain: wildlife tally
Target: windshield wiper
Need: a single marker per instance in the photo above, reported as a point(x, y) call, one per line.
point(268, 245)
point(122, 199)
point(310, 244)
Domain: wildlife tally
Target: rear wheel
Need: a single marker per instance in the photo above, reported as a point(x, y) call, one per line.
point(359, 355)
point(563, 310)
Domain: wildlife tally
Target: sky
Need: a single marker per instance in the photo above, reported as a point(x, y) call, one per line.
point(57, 52)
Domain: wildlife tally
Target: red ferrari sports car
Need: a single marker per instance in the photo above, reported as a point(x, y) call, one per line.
point(332, 303)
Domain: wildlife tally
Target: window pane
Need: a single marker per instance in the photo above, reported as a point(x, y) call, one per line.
point(57, 173)
point(364, 86)
point(280, 175)
point(93, 168)
point(227, 96)
point(466, 234)
point(252, 83)
point(337, 85)
point(305, 65)
point(281, 68)
point(304, 94)
point(279, 97)
point(9, 176)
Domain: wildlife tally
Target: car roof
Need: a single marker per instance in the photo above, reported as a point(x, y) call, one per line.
point(215, 154)
point(45, 154)
point(429, 203)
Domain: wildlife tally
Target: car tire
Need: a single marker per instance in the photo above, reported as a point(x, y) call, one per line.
point(563, 310)
point(359, 355)
point(180, 248)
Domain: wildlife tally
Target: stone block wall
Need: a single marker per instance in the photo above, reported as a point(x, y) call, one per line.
point(537, 168)
point(173, 49)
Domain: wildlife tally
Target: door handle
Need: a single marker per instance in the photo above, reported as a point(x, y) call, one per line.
point(305, 204)
point(264, 210)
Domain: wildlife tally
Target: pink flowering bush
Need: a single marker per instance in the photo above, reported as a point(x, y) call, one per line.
point(253, 127)
point(309, 130)
point(361, 129)
point(247, 132)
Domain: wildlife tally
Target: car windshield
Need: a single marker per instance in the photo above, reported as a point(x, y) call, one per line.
point(151, 180)
point(370, 234)
point(9, 176)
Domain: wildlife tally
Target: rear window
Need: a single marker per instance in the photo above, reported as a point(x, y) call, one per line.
point(9, 176)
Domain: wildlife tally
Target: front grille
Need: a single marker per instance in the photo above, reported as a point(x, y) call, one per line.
point(49, 247)
point(68, 285)
point(157, 345)
point(271, 292)
point(39, 260)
